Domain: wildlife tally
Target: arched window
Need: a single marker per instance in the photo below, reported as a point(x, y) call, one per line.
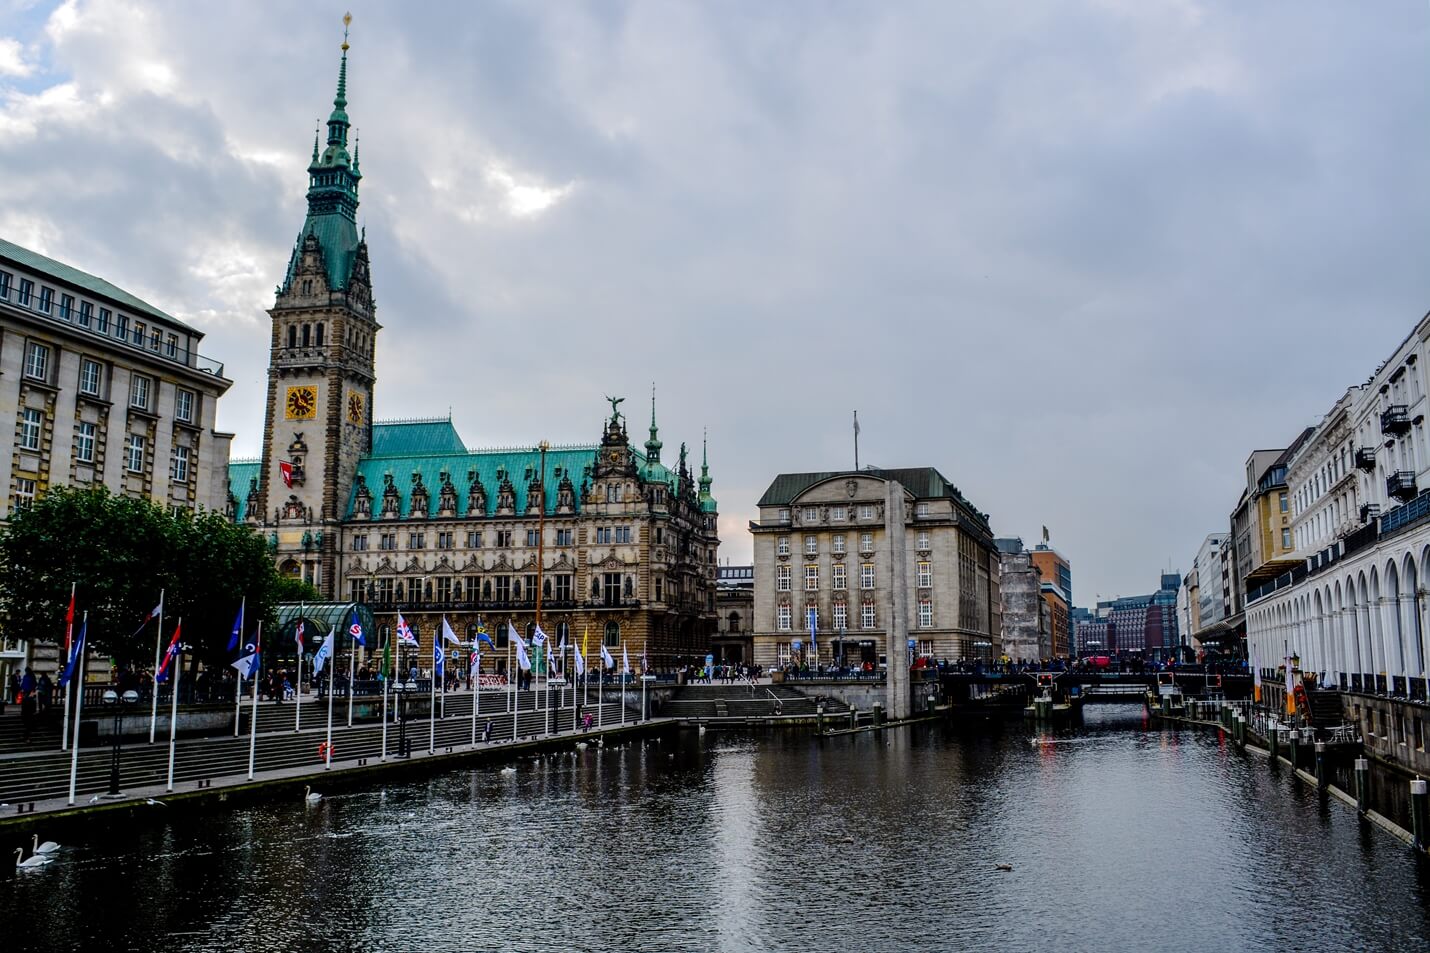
point(563, 632)
point(734, 622)
point(613, 633)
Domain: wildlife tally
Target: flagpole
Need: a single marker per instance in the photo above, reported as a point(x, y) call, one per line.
point(623, 684)
point(476, 677)
point(174, 704)
point(386, 679)
point(298, 688)
point(512, 677)
point(644, 660)
point(332, 670)
point(78, 708)
point(432, 697)
point(154, 672)
point(253, 720)
point(238, 682)
point(352, 676)
point(69, 636)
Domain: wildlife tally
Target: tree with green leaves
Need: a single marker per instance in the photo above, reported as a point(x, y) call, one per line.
point(120, 553)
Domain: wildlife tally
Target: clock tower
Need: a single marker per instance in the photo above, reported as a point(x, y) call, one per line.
point(320, 370)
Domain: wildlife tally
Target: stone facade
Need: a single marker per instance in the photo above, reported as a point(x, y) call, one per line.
point(1027, 630)
point(101, 389)
point(820, 544)
point(599, 540)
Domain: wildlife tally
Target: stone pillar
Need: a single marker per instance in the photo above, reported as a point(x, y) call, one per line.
point(897, 648)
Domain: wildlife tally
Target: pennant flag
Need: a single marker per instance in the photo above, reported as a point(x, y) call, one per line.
point(580, 659)
point(625, 661)
point(522, 659)
point(237, 632)
point(325, 651)
point(606, 660)
point(76, 650)
point(69, 621)
point(404, 631)
point(1290, 689)
point(447, 634)
point(298, 636)
point(154, 613)
point(439, 659)
point(355, 630)
point(170, 655)
point(247, 665)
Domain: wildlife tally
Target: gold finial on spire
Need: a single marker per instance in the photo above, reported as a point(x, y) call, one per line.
point(347, 21)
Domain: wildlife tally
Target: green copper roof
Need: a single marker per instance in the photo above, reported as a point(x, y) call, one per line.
point(240, 472)
point(64, 274)
point(400, 438)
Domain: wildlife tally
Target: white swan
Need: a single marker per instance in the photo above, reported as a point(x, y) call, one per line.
point(508, 770)
point(38, 860)
point(48, 847)
point(311, 796)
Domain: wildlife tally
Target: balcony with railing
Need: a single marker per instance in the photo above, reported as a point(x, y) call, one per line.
point(1401, 484)
point(1365, 458)
point(1369, 511)
point(1395, 419)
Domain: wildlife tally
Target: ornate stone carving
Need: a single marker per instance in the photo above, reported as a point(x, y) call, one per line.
point(447, 497)
point(476, 495)
point(391, 502)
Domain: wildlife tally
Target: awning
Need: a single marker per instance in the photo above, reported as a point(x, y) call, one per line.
point(319, 617)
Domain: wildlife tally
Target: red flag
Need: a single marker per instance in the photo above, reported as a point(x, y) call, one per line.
point(285, 469)
point(69, 622)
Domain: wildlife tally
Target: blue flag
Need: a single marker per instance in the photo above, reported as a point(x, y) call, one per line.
point(438, 658)
point(237, 633)
point(76, 649)
point(355, 630)
point(170, 656)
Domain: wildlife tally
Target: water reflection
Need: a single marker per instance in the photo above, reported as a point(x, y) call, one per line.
point(1119, 838)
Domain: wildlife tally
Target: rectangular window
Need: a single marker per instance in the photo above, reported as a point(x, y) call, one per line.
point(838, 546)
point(811, 577)
point(603, 535)
point(836, 514)
point(134, 453)
point(171, 346)
point(926, 648)
point(504, 538)
point(86, 314)
point(47, 299)
point(155, 339)
point(866, 575)
point(67, 307)
point(841, 615)
point(533, 538)
point(444, 540)
point(783, 618)
point(784, 515)
point(474, 540)
point(782, 546)
point(811, 514)
point(121, 326)
point(623, 534)
point(37, 361)
point(84, 443)
point(866, 542)
point(4, 284)
point(24, 492)
point(1285, 539)
point(839, 576)
point(416, 541)
point(563, 588)
point(387, 541)
point(184, 405)
point(89, 377)
point(925, 574)
point(1283, 503)
point(921, 509)
point(138, 336)
point(925, 613)
point(811, 545)
point(139, 392)
point(659, 589)
point(923, 541)
point(102, 325)
point(31, 423)
point(866, 511)
point(565, 537)
point(360, 542)
point(27, 289)
point(179, 468)
point(782, 578)
point(866, 615)
point(444, 589)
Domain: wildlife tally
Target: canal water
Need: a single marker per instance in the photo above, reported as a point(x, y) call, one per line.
point(1120, 837)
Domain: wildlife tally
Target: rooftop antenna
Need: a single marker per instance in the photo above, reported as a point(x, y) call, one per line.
point(856, 441)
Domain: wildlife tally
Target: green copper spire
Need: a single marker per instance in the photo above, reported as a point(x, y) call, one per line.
point(315, 142)
point(653, 445)
point(333, 178)
point(705, 480)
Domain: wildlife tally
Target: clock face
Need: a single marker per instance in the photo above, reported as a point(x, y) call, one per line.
point(301, 403)
point(355, 414)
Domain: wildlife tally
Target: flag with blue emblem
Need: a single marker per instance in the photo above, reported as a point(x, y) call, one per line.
point(237, 634)
point(404, 632)
point(325, 652)
point(439, 659)
point(355, 630)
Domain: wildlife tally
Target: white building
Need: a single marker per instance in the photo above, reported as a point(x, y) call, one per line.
point(1352, 607)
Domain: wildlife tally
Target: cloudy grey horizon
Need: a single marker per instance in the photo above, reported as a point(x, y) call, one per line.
point(1083, 258)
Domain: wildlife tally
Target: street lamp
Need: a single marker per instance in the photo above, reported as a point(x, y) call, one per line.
point(118, 702)
point(402, 690)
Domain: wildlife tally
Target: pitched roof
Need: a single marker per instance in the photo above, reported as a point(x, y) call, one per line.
point(240, 472)
point(925, 483)
point(66, 274)
point(398, 438)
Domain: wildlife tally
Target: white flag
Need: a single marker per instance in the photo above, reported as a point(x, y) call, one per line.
point(606, 660)
point(522, 659)
point(625, 660)
point(448, 634)
point(325, 652)
point(246, 665)
point(580, 661)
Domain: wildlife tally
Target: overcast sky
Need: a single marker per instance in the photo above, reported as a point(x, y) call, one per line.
point(1081, 257)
